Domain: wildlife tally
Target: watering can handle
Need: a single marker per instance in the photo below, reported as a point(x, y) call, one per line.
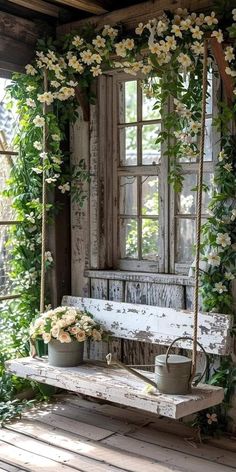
point(195, 382)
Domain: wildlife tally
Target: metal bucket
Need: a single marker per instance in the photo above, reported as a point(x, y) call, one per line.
point(65, 354)
point(173, 373)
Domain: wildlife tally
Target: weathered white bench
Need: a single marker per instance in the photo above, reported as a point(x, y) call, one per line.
point(140, 323)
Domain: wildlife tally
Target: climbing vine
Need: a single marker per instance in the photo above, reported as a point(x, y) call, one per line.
point(168, 52)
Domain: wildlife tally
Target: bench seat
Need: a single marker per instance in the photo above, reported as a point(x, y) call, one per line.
point(116, 385)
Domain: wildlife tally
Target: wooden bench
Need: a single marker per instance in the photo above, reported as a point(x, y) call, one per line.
point(140, 323)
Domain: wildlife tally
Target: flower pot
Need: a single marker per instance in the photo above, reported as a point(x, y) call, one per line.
point(65, 354)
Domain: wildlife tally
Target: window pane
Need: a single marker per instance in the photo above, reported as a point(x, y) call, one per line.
point(151, 152)
point(150, 196)
point(208, 141)
point(150, 231)
point(148, 112)
point(6, 164)
point(185, 240)
point(187, 197)
point(8, 119)
point(128, 195)
point(128, 146)
point(5, 283)
point(206, 196)
point(128, 102)
point(210, 93)
point(128, 238)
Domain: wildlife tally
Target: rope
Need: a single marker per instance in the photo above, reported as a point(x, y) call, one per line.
point(44, 202)
point(199, 208)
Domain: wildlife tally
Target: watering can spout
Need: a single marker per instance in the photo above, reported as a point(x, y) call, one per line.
point(111, 361)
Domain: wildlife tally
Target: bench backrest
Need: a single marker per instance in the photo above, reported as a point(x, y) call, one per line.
point(157, 325)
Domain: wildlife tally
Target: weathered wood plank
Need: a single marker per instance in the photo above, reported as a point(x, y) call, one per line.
point(116, 385)
point(10, 468)
point(131, 16)
point(163, 455)
point(61, 456)
point(155, 294)
point(157, 325)
point(169, 279)
point(84, 447)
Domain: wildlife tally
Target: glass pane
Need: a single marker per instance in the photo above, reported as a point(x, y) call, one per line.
point(5, 283)
point(128, 238)
point(208, 141)
point(185, 240)
point(187, 197)
point(210, 93)
point(8, 119)
point(151, 152)
point(6, 164)
point(150, 196)
point(128, 102)
point(128, 146)
point(128, 195)
point(208, 179)
point(148, 104)
point(150, 231)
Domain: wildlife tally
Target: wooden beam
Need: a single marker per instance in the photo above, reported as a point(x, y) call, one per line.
point(92, 6)
point(227, 80)
point(40, 6)
point(131, 16)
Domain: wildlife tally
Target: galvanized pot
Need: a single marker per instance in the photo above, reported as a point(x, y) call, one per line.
point(65, 354)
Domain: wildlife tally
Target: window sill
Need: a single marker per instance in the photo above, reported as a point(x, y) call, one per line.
point(171, 279)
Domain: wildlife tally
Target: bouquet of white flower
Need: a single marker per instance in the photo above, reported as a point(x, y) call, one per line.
point(66, 324)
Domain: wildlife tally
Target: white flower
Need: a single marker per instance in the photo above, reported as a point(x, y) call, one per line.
point(197, 48)
point(97, 58)
point(229, 54)
point(155, 48)
point(30, 88)
point(64, 188)
point(129, 44)
point(55, 84)
point(222, 155)
point(43, 155)
point(96, 70)
point(56, 137)
point(30, 217)
point(30, 103)
point(233, 215)
point(81, 335)
point(228, 167)
point(139, 29)
point(37, 170)
point(37, 145)
point(46, 97)
point(220, 288)
point(196, 33)
point(146, 69)
point(55, 331)
point(64, 93)
point(234, 14)
point(213, 259)
point(46, 337)
point(30, 70)
point(48, 256)
point(99, 42)
point(50, 180)
point(71, 83)
point(218, 35)
point(223, 239)
point(64, 337)
point(211, 418)
point(120, 49)
point(230, 72)
point(211, 20)
point(195, 127)
point(176, 30)
point(109, 31)
point(229, 276)
point(184, 60)
point(39, 121)
point(77, 41)
point(87, 56)
point(171, 42)
point(185, 24)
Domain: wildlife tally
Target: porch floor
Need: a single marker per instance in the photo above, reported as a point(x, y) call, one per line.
point(77, 434)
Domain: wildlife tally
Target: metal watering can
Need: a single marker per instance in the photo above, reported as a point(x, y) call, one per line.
point(173, 373)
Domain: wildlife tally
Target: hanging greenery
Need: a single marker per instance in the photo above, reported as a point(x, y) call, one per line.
point(170, 48)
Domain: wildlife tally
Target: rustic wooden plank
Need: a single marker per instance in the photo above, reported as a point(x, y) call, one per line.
point(131, 16)
point(10, 468)
point(111, 456)
point(21, 29)
point(91, 6)
point(175, 443)
point(116, 385)
point(15, 54)
point(169, 279)
point(157, 325)
point(60, 456)
point(39, 6)
point(227, 80)
point(162, 455)
point(162, 295)
point(189, 296)
point(94, 210)
point(79, 145)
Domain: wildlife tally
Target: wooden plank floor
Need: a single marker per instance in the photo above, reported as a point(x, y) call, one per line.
point(73, 434)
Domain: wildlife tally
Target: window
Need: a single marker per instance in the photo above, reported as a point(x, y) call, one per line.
point(7, 155)
point(154, 228)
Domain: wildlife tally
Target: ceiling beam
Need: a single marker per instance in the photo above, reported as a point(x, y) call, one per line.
point(38, 5)
point(132, 15)
point(92, 6)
